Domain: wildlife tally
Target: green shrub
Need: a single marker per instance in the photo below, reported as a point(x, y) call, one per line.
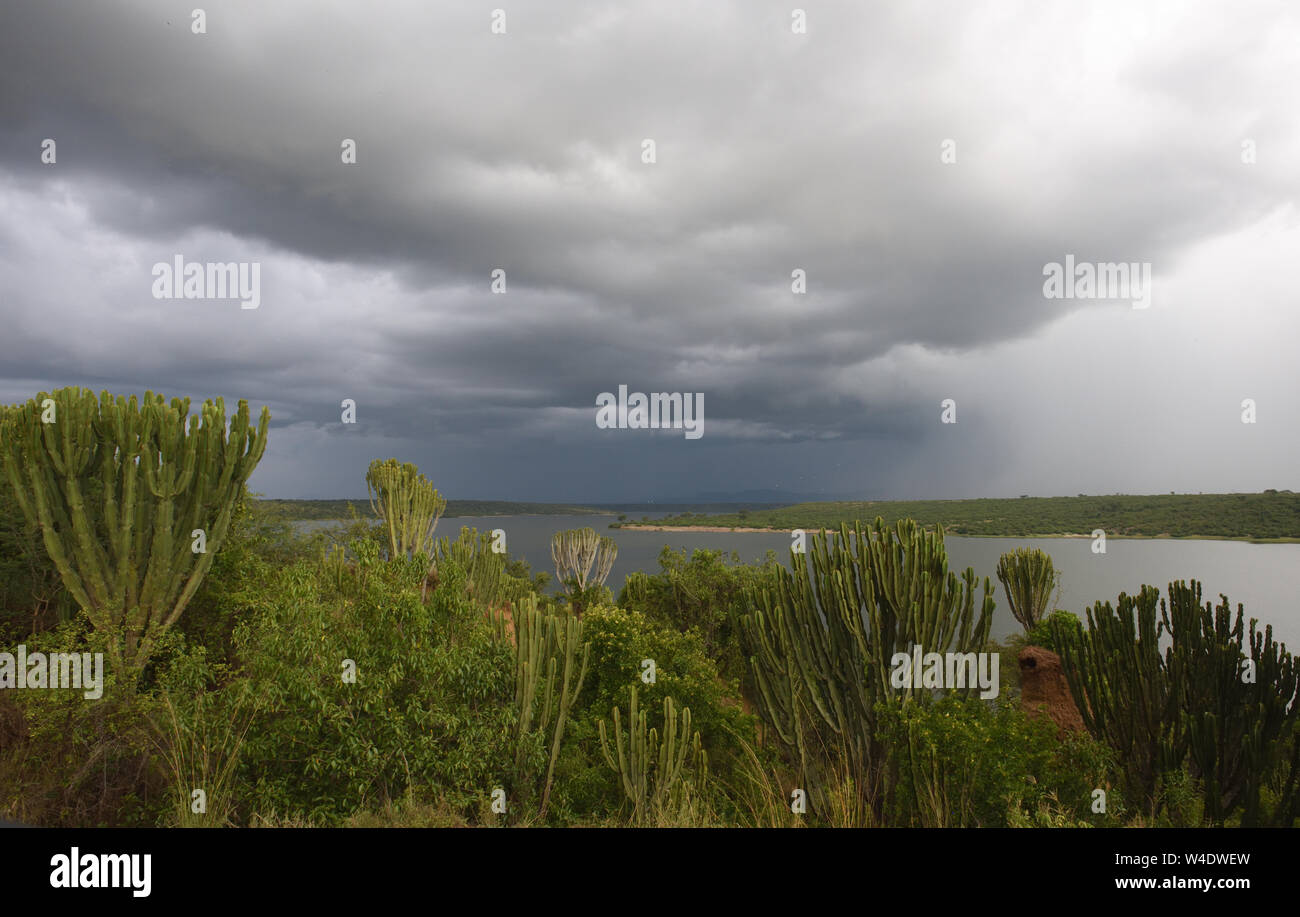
point(962, 762)
point(70, 761)
point(261, 543)
point(705, 593)
point(431, 705)
point(1053, 630)
point(620, 640)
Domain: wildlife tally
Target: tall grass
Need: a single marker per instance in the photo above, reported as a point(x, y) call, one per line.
point(200, 747)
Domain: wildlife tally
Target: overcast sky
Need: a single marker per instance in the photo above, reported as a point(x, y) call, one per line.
point(1117, 132)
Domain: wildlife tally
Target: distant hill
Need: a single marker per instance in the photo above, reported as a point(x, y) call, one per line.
point(1272, 515)
point(774, 496)
point(342, 509)
point(725, 506)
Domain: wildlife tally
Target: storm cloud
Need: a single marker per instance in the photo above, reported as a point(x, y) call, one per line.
point(920, 162)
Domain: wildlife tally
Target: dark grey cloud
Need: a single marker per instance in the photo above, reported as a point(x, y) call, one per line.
point(1110, 133)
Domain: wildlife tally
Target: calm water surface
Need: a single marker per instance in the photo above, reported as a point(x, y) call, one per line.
point(1263, 577)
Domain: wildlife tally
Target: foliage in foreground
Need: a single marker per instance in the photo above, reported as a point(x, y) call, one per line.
point(340, 678)
point(1217, 702)
point(823, 638)
point(132, 497)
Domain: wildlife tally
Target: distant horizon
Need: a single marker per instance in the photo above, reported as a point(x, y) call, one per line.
point(813, 498)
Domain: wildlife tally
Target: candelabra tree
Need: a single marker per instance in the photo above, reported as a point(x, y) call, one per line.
point(486, 577)
point(1219, 699)
point(823, 635)
point(1121, 686)
point(1028, 579)
point(408, 504)
point(133, 498)
point(575, 552)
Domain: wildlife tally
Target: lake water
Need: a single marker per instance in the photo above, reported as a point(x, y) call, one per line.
point(1263, 577)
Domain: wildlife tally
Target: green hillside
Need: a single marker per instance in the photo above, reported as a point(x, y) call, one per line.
point(1271, 515)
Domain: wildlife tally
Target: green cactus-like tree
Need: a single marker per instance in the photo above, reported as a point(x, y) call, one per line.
point(1120, 684)
point(823, 635)
point(486, 578)
point(655, 772)
point(408, 504)
point(133, 498)
point(1218, 698)
point(550, 667)
point(575, 551)
point(1028, 579)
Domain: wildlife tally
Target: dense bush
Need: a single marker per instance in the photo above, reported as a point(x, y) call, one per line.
point(705, 593)
point(430, 706)
point(621, 640)
point(260, 543)
point(1055, 630)
point(962, 762)
point(70, 761)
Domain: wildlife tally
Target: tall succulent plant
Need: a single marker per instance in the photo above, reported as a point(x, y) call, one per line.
point(1028, 579)
point(822, 638)
point(486, 579)
point(1211, 699)
point(1121, 686)
point(1236, 688)
point(408, 504)
point(550, 667)
point(575, 551)
point(133, 498)
point(654, 771)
